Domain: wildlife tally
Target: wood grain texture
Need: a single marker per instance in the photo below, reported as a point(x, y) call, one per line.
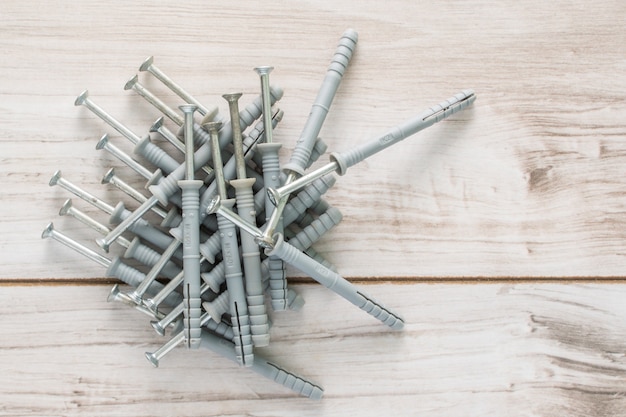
point(528, 183)
point(474, 350)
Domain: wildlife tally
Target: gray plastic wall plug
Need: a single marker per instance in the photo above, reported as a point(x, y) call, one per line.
point(261, 365)
point(148, 256)
point(177, 311)
point(296, 206)
point(169, 185)
point(313, 232)
point(257, 135)
point(306, 198)
point(294, 300)
point(319, 148)
point(266, 368)
point(302, 152)
point(218, 307)
point(148, 65)
point(334, 282)
point(251, 255)
point(318, 272)
point(232, 266)
point(191, 242)
point(322, 103)
point(157, 156)
point(271, 178)
point(340, 162)
point(260, 197)
point(312, 212)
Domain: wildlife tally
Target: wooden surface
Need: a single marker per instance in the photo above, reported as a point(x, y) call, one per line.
point(527, 184)
point(475, 350)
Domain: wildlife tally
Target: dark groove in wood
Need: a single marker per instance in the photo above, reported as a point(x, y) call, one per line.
point(355, 280)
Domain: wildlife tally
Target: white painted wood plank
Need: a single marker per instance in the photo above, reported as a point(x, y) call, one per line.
point(472, 350)
point(528, 183)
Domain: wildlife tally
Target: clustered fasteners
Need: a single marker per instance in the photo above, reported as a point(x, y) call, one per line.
point(228, 230)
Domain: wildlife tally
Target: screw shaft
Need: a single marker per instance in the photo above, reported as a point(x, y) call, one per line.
point(264, 75)
point(105, 143)
point(49, 231)
point(84, 100)
point(69, 209)
point(148, 65)
point(233, 107)
point(57, 179)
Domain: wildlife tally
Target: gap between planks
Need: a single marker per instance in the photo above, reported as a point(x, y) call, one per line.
point(355, 280)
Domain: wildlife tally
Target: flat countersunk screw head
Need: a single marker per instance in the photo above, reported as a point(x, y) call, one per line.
point(232, 97)
point(146, 64)
point(212, 126)
point(214, 205)
point(263, 69)
point(157, 125)
point(187, 108)
point(55, 178)
point(130, 83)
point(81, 98)
point(47, 232)
point(264, 74)
point(66, 207)
point(102, 142)
point(108, 176)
